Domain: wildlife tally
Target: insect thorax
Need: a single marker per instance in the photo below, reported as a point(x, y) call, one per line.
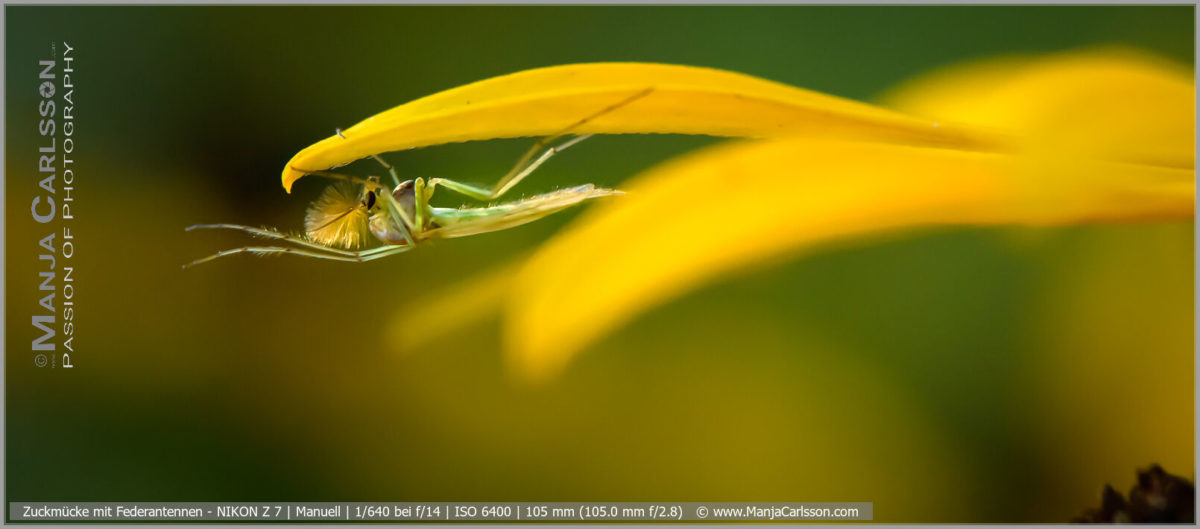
point(382, 224)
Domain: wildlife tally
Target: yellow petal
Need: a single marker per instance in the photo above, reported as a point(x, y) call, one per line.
point(470, 301)
point(681, 100)
point(710, 213)
point(1113, 104)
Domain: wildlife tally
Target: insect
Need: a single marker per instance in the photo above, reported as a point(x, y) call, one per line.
point(353, 209)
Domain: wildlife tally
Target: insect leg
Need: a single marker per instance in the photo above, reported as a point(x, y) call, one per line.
point(527, 163)
point(271, 234)
point(421, 202)
point(391, 170)
point(354, 257)
point(521, 169)
point(508, 182)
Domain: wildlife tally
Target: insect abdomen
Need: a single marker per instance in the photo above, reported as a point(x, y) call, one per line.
point(471, 221)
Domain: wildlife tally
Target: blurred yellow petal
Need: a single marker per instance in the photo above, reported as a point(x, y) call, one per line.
point(682, 100)
point(470, 301)
point(693, 219)
point(1113, 104)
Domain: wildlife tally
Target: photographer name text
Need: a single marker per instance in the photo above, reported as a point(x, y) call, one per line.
point(53, 317)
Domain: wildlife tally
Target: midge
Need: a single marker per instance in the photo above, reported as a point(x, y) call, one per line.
point(400, 218)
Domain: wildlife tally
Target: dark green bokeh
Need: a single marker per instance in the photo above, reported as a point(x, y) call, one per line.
point(269, 380)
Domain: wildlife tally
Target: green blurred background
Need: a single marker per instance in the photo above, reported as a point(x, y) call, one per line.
point(946, 375)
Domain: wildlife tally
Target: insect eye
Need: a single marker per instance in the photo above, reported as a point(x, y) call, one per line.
point(370, 199)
